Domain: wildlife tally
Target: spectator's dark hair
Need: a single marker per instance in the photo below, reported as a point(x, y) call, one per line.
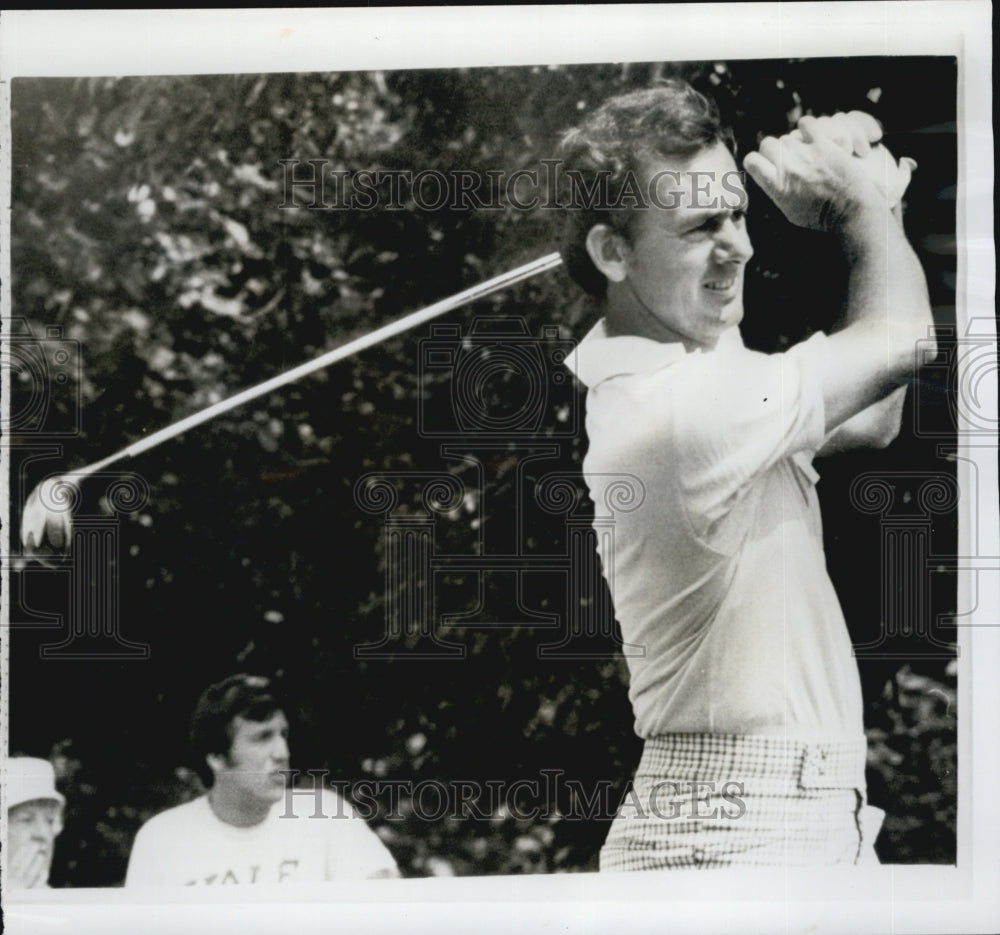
point(247, 696)
point(671, 119)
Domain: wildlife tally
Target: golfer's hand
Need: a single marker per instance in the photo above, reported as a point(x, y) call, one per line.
point(856, 132)
point(860, 134)
point(815, 181)
point(26, 869)
point(827, 171)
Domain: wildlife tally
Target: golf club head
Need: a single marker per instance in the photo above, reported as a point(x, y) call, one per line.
point(47, 521)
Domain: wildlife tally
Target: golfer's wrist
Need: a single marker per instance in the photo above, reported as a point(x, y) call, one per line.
point(863, 227)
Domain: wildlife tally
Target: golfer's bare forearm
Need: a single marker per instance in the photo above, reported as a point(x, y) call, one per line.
point(887, 313)
point(874, 427)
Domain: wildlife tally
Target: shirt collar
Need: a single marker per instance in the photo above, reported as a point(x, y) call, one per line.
point(599, 356)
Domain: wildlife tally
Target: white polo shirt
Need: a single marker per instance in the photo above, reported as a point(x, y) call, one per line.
point(719, 573)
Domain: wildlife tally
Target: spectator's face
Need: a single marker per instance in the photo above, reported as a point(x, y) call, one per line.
point(32, 830)
point(687, 252)
point(257, 754)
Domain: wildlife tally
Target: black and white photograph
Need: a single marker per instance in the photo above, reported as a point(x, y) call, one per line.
point(499, 468)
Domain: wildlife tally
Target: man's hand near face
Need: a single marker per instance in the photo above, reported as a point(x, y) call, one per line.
point(31, 832)
point(28, 868)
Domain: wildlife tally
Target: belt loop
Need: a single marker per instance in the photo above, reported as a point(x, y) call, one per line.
point(814, 771)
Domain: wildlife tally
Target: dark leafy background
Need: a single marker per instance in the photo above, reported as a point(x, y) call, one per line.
point(147, 228)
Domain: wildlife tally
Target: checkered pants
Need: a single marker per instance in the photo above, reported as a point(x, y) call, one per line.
point(718, 800)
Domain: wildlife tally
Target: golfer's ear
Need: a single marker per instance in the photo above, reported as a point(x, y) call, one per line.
point(608, 252)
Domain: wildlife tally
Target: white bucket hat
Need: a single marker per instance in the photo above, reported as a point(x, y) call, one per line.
point(30, 779)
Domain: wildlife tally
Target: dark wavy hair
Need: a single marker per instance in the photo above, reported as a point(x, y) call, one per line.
point(671, 119)
point(251, 697)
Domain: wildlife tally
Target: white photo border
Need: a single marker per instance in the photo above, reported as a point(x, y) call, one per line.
point(900, 899)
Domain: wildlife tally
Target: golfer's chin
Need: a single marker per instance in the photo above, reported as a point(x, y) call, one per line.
point(731, 314)
point(723, 325)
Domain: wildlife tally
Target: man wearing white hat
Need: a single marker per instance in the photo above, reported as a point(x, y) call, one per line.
point(34, 820)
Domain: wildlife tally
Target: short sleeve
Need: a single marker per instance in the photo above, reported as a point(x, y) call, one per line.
point(354, 850)
point(142, 861)
point(734, 414)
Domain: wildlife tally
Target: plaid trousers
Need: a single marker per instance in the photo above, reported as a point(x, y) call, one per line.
point(719, 800)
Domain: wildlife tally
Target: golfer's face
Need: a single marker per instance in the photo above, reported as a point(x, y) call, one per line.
point(687, 253)
point(257, 755)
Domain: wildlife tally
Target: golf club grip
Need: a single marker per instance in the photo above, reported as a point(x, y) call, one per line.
point(519, 274)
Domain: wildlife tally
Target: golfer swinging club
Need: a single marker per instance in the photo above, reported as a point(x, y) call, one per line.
point(748, 676)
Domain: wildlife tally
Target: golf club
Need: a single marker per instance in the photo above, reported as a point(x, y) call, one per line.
point(47, 524)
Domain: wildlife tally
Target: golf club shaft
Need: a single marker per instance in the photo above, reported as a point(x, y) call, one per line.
point(528, 270)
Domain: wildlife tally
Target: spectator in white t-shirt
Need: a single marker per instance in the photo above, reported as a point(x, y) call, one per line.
point(250, 828)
